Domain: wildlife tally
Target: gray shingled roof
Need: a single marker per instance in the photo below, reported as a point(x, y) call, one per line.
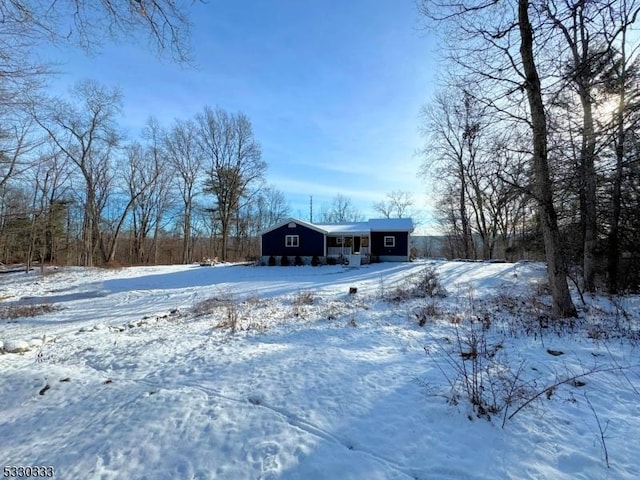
point(354, 228)
point(371, 225)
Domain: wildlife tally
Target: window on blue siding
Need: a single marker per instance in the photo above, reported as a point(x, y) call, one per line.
point(292, 240)
point(390, 241)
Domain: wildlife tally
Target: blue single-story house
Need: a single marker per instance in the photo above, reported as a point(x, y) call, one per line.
point(384, 239)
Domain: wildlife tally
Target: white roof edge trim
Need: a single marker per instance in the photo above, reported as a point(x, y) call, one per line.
point(351, 228)
point(294, 220)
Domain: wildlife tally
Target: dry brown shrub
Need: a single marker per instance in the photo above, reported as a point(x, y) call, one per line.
point(11, 312)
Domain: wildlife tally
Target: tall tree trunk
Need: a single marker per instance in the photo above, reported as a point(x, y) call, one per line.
point(616, 201)
point(588, 189)
point(156, 239)
point(464, 219)
point(584, 58)
point(225, 237)
point(562, 304)
point(87, 239)
point(616, 194)
point(186, 236)
point(614, 235)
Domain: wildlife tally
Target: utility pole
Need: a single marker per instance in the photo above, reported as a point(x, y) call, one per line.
point(310, 208)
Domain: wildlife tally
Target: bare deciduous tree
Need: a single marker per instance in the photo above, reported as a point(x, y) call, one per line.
point(452, 128)
point(623, 84)
point(579, 24)
point(147, 180)
point(396, 204)
point(90, 23)
point(87, 134)
point(341, 210)
point(270, 207)
point(234, 163)
point(51, 196)
point(186, 159)
point(17, 142)
point(557, 272)
point(495, 42)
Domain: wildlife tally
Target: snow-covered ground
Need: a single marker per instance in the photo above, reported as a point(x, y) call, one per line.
point(241, 372)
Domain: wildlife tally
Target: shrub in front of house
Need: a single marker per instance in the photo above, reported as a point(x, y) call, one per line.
point(298, 261)
point(315, 261)
point(284, 261)
point(272, 261)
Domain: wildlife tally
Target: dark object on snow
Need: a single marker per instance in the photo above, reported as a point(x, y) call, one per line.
point(555, 353)
point(44, 389)
point(469, 355)
point(353, 290)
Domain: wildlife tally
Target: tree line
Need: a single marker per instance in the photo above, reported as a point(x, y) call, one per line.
point(535, 136)
point(76, 191)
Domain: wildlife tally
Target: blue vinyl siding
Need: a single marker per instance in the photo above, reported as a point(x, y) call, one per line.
point(311, 242)
point(401, 244)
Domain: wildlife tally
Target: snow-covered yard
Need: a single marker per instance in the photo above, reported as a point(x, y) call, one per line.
point(240, 372)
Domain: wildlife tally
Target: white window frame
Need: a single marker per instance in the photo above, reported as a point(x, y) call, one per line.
point(388, 238)
point(292, 241)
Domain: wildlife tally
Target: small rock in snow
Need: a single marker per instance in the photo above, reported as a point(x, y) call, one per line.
point(555, 353)
point(256, 399)
point(16, 346)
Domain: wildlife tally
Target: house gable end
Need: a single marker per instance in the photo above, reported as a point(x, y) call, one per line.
point(293, 238)
point(293, 220)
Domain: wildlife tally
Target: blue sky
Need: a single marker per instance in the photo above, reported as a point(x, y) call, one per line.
point(333, 89)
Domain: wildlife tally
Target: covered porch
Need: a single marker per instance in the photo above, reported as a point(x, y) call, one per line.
point(342, 245)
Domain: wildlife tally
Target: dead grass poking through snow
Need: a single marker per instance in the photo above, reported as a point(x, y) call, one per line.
point(230, 313)
point(12, 312)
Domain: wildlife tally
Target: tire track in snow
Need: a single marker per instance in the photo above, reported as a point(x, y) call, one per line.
point(296, 422)
point(316, 431)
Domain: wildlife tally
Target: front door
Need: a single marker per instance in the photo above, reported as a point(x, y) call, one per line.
point(356, 245)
